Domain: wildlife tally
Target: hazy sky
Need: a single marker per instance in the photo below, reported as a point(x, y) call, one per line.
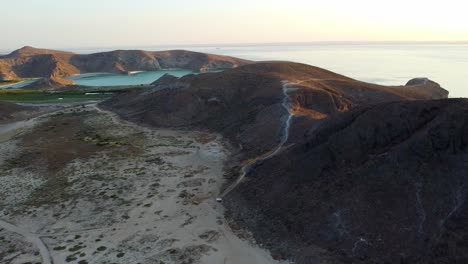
point(124, 23)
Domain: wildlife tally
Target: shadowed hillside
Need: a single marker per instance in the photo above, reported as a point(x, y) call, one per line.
point(384, 183)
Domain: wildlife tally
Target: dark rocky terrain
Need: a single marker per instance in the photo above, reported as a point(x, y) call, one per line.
point(383, 183)
point(369, 174)
point(29, 62)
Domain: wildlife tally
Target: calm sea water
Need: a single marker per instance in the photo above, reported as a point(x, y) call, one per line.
point(387, 64)
point(382, 64)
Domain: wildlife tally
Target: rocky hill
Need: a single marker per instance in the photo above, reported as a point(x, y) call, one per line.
point(29, 62)
point(246, 103)
point(383, 183)
point(365, 174)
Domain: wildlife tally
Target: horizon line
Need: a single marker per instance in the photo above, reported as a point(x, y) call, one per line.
point(247, 44)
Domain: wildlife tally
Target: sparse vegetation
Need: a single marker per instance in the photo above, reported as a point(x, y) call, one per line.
point(82, 173)
point(71, 258)
point(59, 248)
point(98, 140)
point(101, 248)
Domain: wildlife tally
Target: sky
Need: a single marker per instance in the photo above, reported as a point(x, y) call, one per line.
point(137, 23)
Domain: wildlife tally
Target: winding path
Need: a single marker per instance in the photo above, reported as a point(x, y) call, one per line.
point(33, 238)
point(287, 87)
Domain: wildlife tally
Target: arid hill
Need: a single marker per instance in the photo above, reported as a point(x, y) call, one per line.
point(245, 103)
point(368, 174)
point(29, 62)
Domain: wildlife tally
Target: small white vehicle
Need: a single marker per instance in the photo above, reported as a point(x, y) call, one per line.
point(219, 199)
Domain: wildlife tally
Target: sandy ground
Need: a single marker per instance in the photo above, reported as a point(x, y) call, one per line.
point(114, 193)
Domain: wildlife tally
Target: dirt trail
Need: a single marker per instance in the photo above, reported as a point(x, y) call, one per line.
point(33, 238)
point(287, 87)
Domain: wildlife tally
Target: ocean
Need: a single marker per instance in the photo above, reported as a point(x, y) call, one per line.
point(387, 64)
point(381, 63)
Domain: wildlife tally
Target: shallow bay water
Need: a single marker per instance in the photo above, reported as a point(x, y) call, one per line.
point(387, 64)
point(114, 79)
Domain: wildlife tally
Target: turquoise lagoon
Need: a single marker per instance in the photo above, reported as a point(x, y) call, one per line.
point(134, 78)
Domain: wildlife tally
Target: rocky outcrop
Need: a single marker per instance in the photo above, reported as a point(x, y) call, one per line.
point(431, 87)
point(29, 62)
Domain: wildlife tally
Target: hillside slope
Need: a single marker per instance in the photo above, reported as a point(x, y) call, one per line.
point(385, 183)
point(366, 173)
point(245, 103)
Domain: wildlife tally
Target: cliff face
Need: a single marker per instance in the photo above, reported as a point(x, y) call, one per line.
point(29, 62)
